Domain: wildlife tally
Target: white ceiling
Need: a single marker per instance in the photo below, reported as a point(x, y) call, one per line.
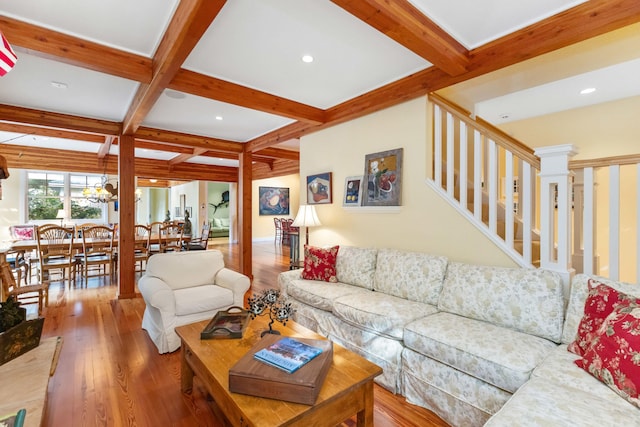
point(259, 44)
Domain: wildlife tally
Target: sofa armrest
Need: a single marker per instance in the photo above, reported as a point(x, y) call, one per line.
point(287, 277)
point(157, 293)
point(236, 282)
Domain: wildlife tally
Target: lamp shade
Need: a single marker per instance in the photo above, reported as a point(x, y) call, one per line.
point(306, 217)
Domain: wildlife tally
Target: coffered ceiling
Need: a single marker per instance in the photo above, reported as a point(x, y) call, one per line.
point(199, 81)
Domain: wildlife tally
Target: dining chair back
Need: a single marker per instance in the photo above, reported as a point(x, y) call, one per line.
point(201, 243)
point(27, 294)
point(141, 246)
point(277, 222)
point(97, 250)
point(55, 252)
point(170, 238)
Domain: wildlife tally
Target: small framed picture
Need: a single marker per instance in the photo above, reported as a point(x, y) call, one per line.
point(383, 178)
point(353, 191)
point(319, 189)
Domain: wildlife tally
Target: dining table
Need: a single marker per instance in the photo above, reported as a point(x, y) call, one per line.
point(24, 246)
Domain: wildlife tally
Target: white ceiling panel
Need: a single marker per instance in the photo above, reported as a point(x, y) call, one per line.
point(486, 20)
point(610, 83)
point(197, 115)
point(132, 25)
point(260, 44)
point(87, 93)
point(11, 138)
point(145, 153)
point(214, 161)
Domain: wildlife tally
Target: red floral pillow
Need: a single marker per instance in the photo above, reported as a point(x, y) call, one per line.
point(320, 264)
point(600, 302)
point(614, 355)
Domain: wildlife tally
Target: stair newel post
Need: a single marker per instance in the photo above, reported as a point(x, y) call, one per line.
point(555, 211)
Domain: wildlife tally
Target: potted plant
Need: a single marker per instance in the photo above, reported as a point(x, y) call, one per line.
point(17, 335)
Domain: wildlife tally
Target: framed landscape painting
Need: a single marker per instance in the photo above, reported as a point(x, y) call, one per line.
point(319, 190)
point(273, 201)
point(383, 178)
point(353, 191)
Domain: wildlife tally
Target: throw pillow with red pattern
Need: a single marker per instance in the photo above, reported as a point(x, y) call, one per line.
point(320, 264)
point(614, 355)
point(601, 301)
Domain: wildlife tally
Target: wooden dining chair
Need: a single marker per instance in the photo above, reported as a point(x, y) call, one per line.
point(55, 252)
point(277, 222)
point(201, 243)
point(170, 238)
point(155, 231)
point(26, 294)
point(141, 246)
point(97, 250)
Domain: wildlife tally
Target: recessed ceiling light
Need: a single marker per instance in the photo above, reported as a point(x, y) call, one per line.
point(153, 180)
point(218, 117)
point(59, 85)
point(174, 94)
point(307, 58)
point(587, 91)
point(504, 116)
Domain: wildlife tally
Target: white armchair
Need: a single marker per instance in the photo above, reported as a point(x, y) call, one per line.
point(186, 287)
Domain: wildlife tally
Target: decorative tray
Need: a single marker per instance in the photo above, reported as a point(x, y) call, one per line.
point(226, 324)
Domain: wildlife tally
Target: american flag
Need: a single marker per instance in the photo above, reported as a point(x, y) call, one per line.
point(8, 57)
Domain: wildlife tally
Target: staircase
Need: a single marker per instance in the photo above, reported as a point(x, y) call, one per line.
point(473, 162)
point(556, 219)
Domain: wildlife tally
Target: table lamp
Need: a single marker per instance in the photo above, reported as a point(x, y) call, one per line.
point(60, 216)
point(306, 217)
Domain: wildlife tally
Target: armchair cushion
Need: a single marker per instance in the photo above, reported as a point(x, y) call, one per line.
point(185, 269)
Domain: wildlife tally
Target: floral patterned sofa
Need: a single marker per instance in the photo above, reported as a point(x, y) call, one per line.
point(455, 338)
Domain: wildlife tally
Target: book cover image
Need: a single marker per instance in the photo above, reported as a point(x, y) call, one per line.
point(288, 354)
point(13, 420)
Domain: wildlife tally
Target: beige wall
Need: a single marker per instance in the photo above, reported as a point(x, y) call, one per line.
point(9, 205)
point(263, 227)
point(424, 222)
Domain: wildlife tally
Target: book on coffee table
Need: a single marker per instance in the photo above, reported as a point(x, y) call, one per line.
point(256, 378)
point(288, 354)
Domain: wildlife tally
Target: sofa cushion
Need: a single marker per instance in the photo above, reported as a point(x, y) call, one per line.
point(601, 301)
point(559, 367)
point(185, 269)
point(527, 300)
point(579, 292)
point(202, 299)
point(356, 266)
point(379, 313)
point(546, 403)
point(320, 294)
point(320, 263)
point(410, 275)
point(614, 354)
point(500, 356)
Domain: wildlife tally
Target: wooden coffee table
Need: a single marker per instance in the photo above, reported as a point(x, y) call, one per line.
point(347, 390)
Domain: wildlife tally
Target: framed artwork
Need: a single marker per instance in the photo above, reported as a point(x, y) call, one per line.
point(353, 191)
point(383, 178)
point(319, 190)
point(273, 201)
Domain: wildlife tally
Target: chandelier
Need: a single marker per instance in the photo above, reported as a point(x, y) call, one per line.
point(105, 192)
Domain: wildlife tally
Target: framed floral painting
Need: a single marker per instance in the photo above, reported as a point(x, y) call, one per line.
point(383, 178)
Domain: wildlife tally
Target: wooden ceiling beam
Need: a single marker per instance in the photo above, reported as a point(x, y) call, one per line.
point(51, 133)
point(146, 145)
point(189, 22)
point(404, 23)
point(72, 50)
point(231, 93)
point(277, 153)
point(11, 113)
point(181, 158)
point(103, 151)
point(188, 140)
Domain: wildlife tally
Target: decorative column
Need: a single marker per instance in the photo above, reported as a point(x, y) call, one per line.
point(555, 211)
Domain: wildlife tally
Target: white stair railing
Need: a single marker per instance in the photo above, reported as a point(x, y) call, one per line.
point(489, 176)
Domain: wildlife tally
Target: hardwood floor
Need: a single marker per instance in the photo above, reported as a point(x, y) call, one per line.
point(110, 374)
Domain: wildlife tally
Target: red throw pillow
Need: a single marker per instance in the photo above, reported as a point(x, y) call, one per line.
point(600, 302)
point(614, 355)
point(320, 264)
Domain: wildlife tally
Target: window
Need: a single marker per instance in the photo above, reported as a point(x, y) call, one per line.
point(46, 195)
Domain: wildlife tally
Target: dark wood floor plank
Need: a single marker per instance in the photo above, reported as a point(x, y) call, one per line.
point(110, 374)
